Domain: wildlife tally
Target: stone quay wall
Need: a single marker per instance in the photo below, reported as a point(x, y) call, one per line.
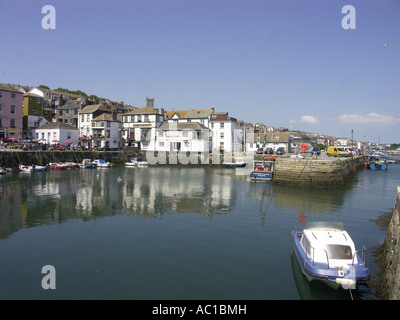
point(389, 258)
point(311, 172)
point(13, 158)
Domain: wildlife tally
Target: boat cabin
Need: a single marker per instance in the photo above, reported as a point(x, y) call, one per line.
point(331, 245)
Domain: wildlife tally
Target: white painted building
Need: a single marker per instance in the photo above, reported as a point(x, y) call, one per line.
point(226, 137)
point(57, 131)
point(85, 119)
point(182, 137)
point(106, 132)
point(139, 127)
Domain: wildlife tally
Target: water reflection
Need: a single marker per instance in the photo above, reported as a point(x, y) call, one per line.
point(37, 198)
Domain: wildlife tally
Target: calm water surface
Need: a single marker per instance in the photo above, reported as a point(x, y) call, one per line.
point(174, 233)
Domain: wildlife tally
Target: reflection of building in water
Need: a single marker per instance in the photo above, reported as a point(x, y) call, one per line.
point(11, 216)
point(84, 201)
point(160, 190)
point(50, 189)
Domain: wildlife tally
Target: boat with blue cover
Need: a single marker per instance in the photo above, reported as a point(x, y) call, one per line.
point(326, 252)
point(377, 161)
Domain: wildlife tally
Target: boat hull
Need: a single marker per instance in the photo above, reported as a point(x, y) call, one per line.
point(234, 165)
point(259, 175)
point(375, 166)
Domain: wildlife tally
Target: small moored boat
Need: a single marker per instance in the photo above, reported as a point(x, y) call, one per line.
point(326, 252)
point(102, 163)
point(25, 168)
point(57, 166)
point(5, 170)
point(88, 164)
point(377, 161)
point(238, 163)
point(137, 162)
point(263, 170)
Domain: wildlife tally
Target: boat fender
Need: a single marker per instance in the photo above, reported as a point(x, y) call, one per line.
point(346, 282)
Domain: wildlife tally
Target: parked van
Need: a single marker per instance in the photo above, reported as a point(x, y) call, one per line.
point(336, 151)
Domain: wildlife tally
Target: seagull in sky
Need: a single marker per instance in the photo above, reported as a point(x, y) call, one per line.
point(384, 45)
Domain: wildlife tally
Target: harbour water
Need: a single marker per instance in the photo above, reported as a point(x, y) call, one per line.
point(174, 233)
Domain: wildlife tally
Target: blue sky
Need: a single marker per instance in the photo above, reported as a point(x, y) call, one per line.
point(286, 63)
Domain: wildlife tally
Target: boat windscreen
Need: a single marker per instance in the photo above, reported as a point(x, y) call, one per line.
point(337, 251)
point(325, 225)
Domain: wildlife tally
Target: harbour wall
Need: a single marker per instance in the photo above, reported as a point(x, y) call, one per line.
point(306, 172)
point(311, 172)
point(388, 259)
point(13, 158)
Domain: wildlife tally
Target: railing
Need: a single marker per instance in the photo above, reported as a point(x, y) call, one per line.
point(363, 256)
point(313, 254)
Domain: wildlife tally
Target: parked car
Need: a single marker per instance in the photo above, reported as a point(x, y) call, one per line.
point(316, 150)
point(259, 151)
point(269, 151)
point(280, 151)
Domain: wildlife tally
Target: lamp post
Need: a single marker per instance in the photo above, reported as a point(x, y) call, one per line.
point(352, 147)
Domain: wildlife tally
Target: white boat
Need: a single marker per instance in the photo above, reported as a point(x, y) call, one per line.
point(5, 170)
point(88, 164)
point(102, 164)
point(25, 168)
point(238, 163)
point(326, 252)
point(136, 162)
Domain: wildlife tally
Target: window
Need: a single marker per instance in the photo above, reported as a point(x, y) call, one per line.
point(82, 118)
point(38, 100)
point(12, 123)
point(1, 93)
point(222, 125)
point(222, 135)
point(12, 109)
point(1, 107)
point(12, 95)
point(336, 251)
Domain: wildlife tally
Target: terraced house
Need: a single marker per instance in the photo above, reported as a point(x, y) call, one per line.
point(11, 105)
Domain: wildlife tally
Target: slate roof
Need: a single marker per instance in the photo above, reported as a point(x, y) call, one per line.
point(94, 107)
point(190, 114)
point(7, 87)
point(179, 126)
point(56, 125)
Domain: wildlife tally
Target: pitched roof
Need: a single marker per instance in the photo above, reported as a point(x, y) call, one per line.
point(145, 110)
point(179, 126)
point(94, 107)
point(105, 117)
point(190, 114)
point(7, 87)
point(56, 125)
point(270, 137)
